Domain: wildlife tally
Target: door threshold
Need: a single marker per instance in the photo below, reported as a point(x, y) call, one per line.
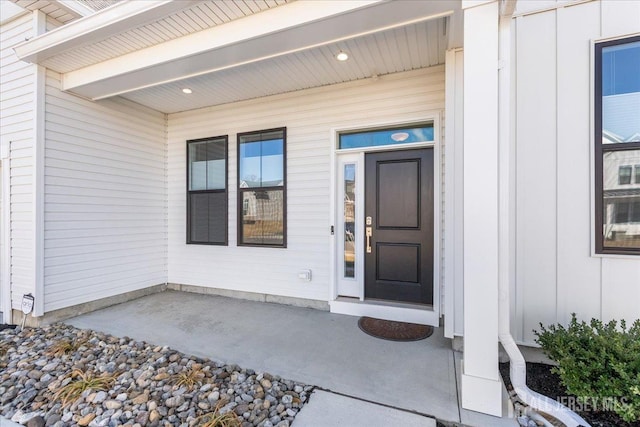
point(387, 310)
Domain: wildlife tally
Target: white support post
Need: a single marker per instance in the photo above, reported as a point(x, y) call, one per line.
point(481, 385)
point(39, 23)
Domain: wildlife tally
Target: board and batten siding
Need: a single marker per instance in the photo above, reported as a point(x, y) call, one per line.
point(556, 273)
point(309, 116)
point(17, 86)
point(105, 198)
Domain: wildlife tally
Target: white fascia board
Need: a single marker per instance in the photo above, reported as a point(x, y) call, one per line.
point(74, 7)
point(99, 26)
point(287, 29)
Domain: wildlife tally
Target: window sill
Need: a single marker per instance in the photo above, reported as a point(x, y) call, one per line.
point(634, 256)
point(249, 245)
point(207, 243)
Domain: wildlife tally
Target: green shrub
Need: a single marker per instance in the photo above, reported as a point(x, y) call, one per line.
point(597, 362)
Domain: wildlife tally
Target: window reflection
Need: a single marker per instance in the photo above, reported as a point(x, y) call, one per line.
point(263, 217)
point(349, 220)
point(621, 200)
point(621, 93)
point(207, 165)
point(261, 163)
point(261, 183)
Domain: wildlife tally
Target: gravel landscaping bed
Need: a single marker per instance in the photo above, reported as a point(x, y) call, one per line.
point(142, 384)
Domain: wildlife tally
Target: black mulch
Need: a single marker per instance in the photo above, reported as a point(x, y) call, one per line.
point(541, 379)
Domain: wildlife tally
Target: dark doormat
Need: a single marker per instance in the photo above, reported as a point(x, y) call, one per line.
point(394, 331)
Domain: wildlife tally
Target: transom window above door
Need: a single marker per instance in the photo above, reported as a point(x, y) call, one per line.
point(408, 134)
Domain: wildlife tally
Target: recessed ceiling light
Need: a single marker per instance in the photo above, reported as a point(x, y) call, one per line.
point(399, 136)
point(342, 56)
point(187, 90)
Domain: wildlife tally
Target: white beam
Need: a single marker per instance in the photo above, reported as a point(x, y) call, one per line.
point(283, 30)
point(99, 26)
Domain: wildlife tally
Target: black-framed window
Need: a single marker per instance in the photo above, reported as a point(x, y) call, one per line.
point(624, 175)
point(617, 145)
point(207, 196)
point(262, 189)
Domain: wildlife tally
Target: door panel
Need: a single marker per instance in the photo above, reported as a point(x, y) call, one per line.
point(399, 200)
point(399, 263)
point(398, 187)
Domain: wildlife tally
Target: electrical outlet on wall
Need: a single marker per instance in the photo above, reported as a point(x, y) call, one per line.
point(304, 275)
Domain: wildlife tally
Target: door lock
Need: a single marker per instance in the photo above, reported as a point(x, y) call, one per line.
point(369, 233)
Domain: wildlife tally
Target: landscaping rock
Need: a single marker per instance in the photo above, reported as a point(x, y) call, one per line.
point(146, 390)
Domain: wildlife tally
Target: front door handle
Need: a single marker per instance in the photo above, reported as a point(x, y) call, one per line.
point(369, 233)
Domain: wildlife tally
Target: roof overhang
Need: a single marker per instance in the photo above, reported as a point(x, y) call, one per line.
point(283, 30)
point(96, 27)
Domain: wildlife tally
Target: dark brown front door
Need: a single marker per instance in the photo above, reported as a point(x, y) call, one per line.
point(399, 212)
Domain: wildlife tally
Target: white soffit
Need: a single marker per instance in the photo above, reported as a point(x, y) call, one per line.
point(288, 29)
point(99, 26)
point(98, 4)
point(52, 8)
point(198, 17)
point(405, 48)
point(284, 30)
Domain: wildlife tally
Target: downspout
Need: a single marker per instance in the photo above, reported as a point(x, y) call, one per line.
point(536, 401)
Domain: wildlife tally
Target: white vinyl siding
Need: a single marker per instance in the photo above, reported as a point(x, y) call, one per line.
point(105, 202)
point(17, 86)
point(309, 116)
point(555, 272)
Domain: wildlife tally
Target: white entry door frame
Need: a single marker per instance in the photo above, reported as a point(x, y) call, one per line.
point(346, 294)
point(350, 249)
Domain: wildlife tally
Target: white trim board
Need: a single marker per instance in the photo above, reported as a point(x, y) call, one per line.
point(5, 235)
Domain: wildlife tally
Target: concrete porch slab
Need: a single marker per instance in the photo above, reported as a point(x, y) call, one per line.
point(349, 412)
point(311, 346)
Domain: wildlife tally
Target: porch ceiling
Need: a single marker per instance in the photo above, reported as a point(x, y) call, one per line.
point(56, 9)
point(197, 17)
point(405, 48)
point(231, 50)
